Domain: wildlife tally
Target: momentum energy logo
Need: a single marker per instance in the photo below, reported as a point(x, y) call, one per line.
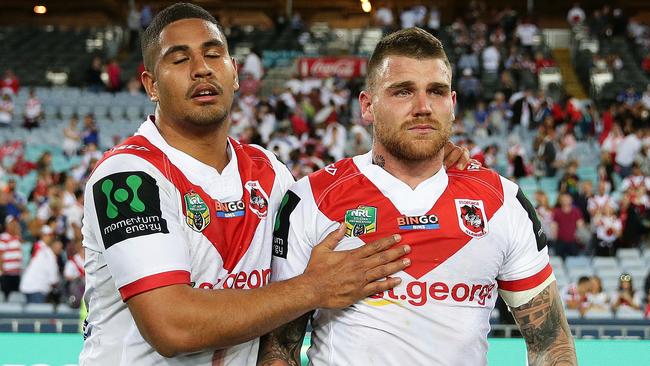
point(128, 206)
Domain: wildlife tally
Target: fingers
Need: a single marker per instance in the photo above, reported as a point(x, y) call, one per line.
point(453, 156)
point(384, 257)
point(332, 239)
point(376, 246)
point(381, 286)
point(386, 270)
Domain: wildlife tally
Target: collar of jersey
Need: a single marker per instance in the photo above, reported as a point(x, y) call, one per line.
point(224, 187)
point(410, 202)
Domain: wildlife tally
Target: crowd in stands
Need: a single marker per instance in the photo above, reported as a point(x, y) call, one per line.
point(586, 169)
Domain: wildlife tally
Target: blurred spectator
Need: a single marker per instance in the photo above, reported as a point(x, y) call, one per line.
point(576, 295)
point(526, 32)
point(6, 110)
point(433, 22)
point(491, 59)
point(94, 75)
point(545, 214)
point(42, 273)
point(469, 60)
point(146, 15)
point(567, 220)
point(359, 141)
point(600, 200)
point(134, 86)
point(627, 151)
point(114, 72)
point(541, 62)
point(253, 64)
point(469, 90)
point(11, 256)
point(133, 23)
point(74, 276)
point(629, 96)
point(569, 181)
point(523, 106)
point(645, 98)
point(576, 16)
point(71, 137)
point(635, 180)
point(408, 18)
point(626, 296)
point(599, 301)
point(9, 83)
point(334, 140)
point(384, 18)
point(89, 134)
point(581, 200)
point(608, 228)
point(33, 110)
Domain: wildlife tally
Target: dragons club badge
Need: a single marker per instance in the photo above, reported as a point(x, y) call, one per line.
point(259, 201)
point(197, 213)
point(472, 219)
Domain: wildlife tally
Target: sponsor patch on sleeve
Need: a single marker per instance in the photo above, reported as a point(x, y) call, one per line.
point(540, 236)
point(128, 206)
point(281, 227)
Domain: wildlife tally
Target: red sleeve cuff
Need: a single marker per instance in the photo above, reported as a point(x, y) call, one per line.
point(154, 281)
point(528, 282)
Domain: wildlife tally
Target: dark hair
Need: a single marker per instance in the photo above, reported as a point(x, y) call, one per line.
point(167, 16)
point(411, 42)
point(583, 279)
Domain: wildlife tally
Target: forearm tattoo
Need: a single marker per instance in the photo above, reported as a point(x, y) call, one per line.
point(544, 327)
point(282, 346)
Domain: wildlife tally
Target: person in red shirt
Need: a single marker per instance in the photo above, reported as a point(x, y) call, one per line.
point(567, 219)
point(114, 76)
point(9, 83)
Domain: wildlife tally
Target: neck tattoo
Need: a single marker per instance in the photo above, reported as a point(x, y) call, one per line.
point(379, 160)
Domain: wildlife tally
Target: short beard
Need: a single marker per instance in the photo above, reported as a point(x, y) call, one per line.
point(412, 149)
point(206, 119)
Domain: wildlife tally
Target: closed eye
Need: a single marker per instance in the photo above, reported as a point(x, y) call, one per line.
point(179, 61)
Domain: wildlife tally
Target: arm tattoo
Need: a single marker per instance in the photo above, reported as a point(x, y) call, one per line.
point(544, 326)
point(282, 346)
point(379, 160)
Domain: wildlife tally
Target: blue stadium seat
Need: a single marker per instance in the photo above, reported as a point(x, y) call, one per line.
point(39, 309)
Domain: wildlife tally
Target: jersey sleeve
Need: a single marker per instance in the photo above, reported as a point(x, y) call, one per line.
point(294, 234)
point(526, 270)
point(132, 218)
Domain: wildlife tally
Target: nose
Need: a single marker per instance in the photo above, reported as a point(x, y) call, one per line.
point(200, 69)
point(422, 105)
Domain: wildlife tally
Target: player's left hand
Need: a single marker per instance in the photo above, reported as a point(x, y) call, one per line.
point(456, 155)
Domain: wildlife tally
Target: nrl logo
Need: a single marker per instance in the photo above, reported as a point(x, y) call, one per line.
point(359, 221)
point(259, 201)
point(472, 219)
point(197, 213)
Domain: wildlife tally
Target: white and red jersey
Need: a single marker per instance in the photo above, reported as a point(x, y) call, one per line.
point(471, 232)
point(154, 216)
point(11, 253)
point(74, 268)
point(634, 182)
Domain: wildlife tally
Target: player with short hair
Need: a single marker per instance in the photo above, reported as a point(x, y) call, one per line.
point(178, 222)
point(472, 232)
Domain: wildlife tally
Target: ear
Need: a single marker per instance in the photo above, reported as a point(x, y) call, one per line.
point(149, 83)
point(365, 101)
point(234, 66)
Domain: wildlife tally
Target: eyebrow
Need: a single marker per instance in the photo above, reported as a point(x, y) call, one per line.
point(183, 48)
point(410, 84)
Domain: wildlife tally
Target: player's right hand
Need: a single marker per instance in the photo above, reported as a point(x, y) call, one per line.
point(341, 278)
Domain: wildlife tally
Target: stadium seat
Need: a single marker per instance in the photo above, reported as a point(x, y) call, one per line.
point(10, 308)
point(577, 261)
point(600, 315)
point(572, 314)
point(629, 314)
point(40, 309)
point(65, 309)
point(604, 262)
point(17, 298)
point(625, 253)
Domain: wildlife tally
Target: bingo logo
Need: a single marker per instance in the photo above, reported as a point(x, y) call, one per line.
point(424, 222)
point(230, 209)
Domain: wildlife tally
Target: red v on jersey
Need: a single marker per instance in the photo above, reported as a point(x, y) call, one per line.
point(349, 189)
point(230, 236)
